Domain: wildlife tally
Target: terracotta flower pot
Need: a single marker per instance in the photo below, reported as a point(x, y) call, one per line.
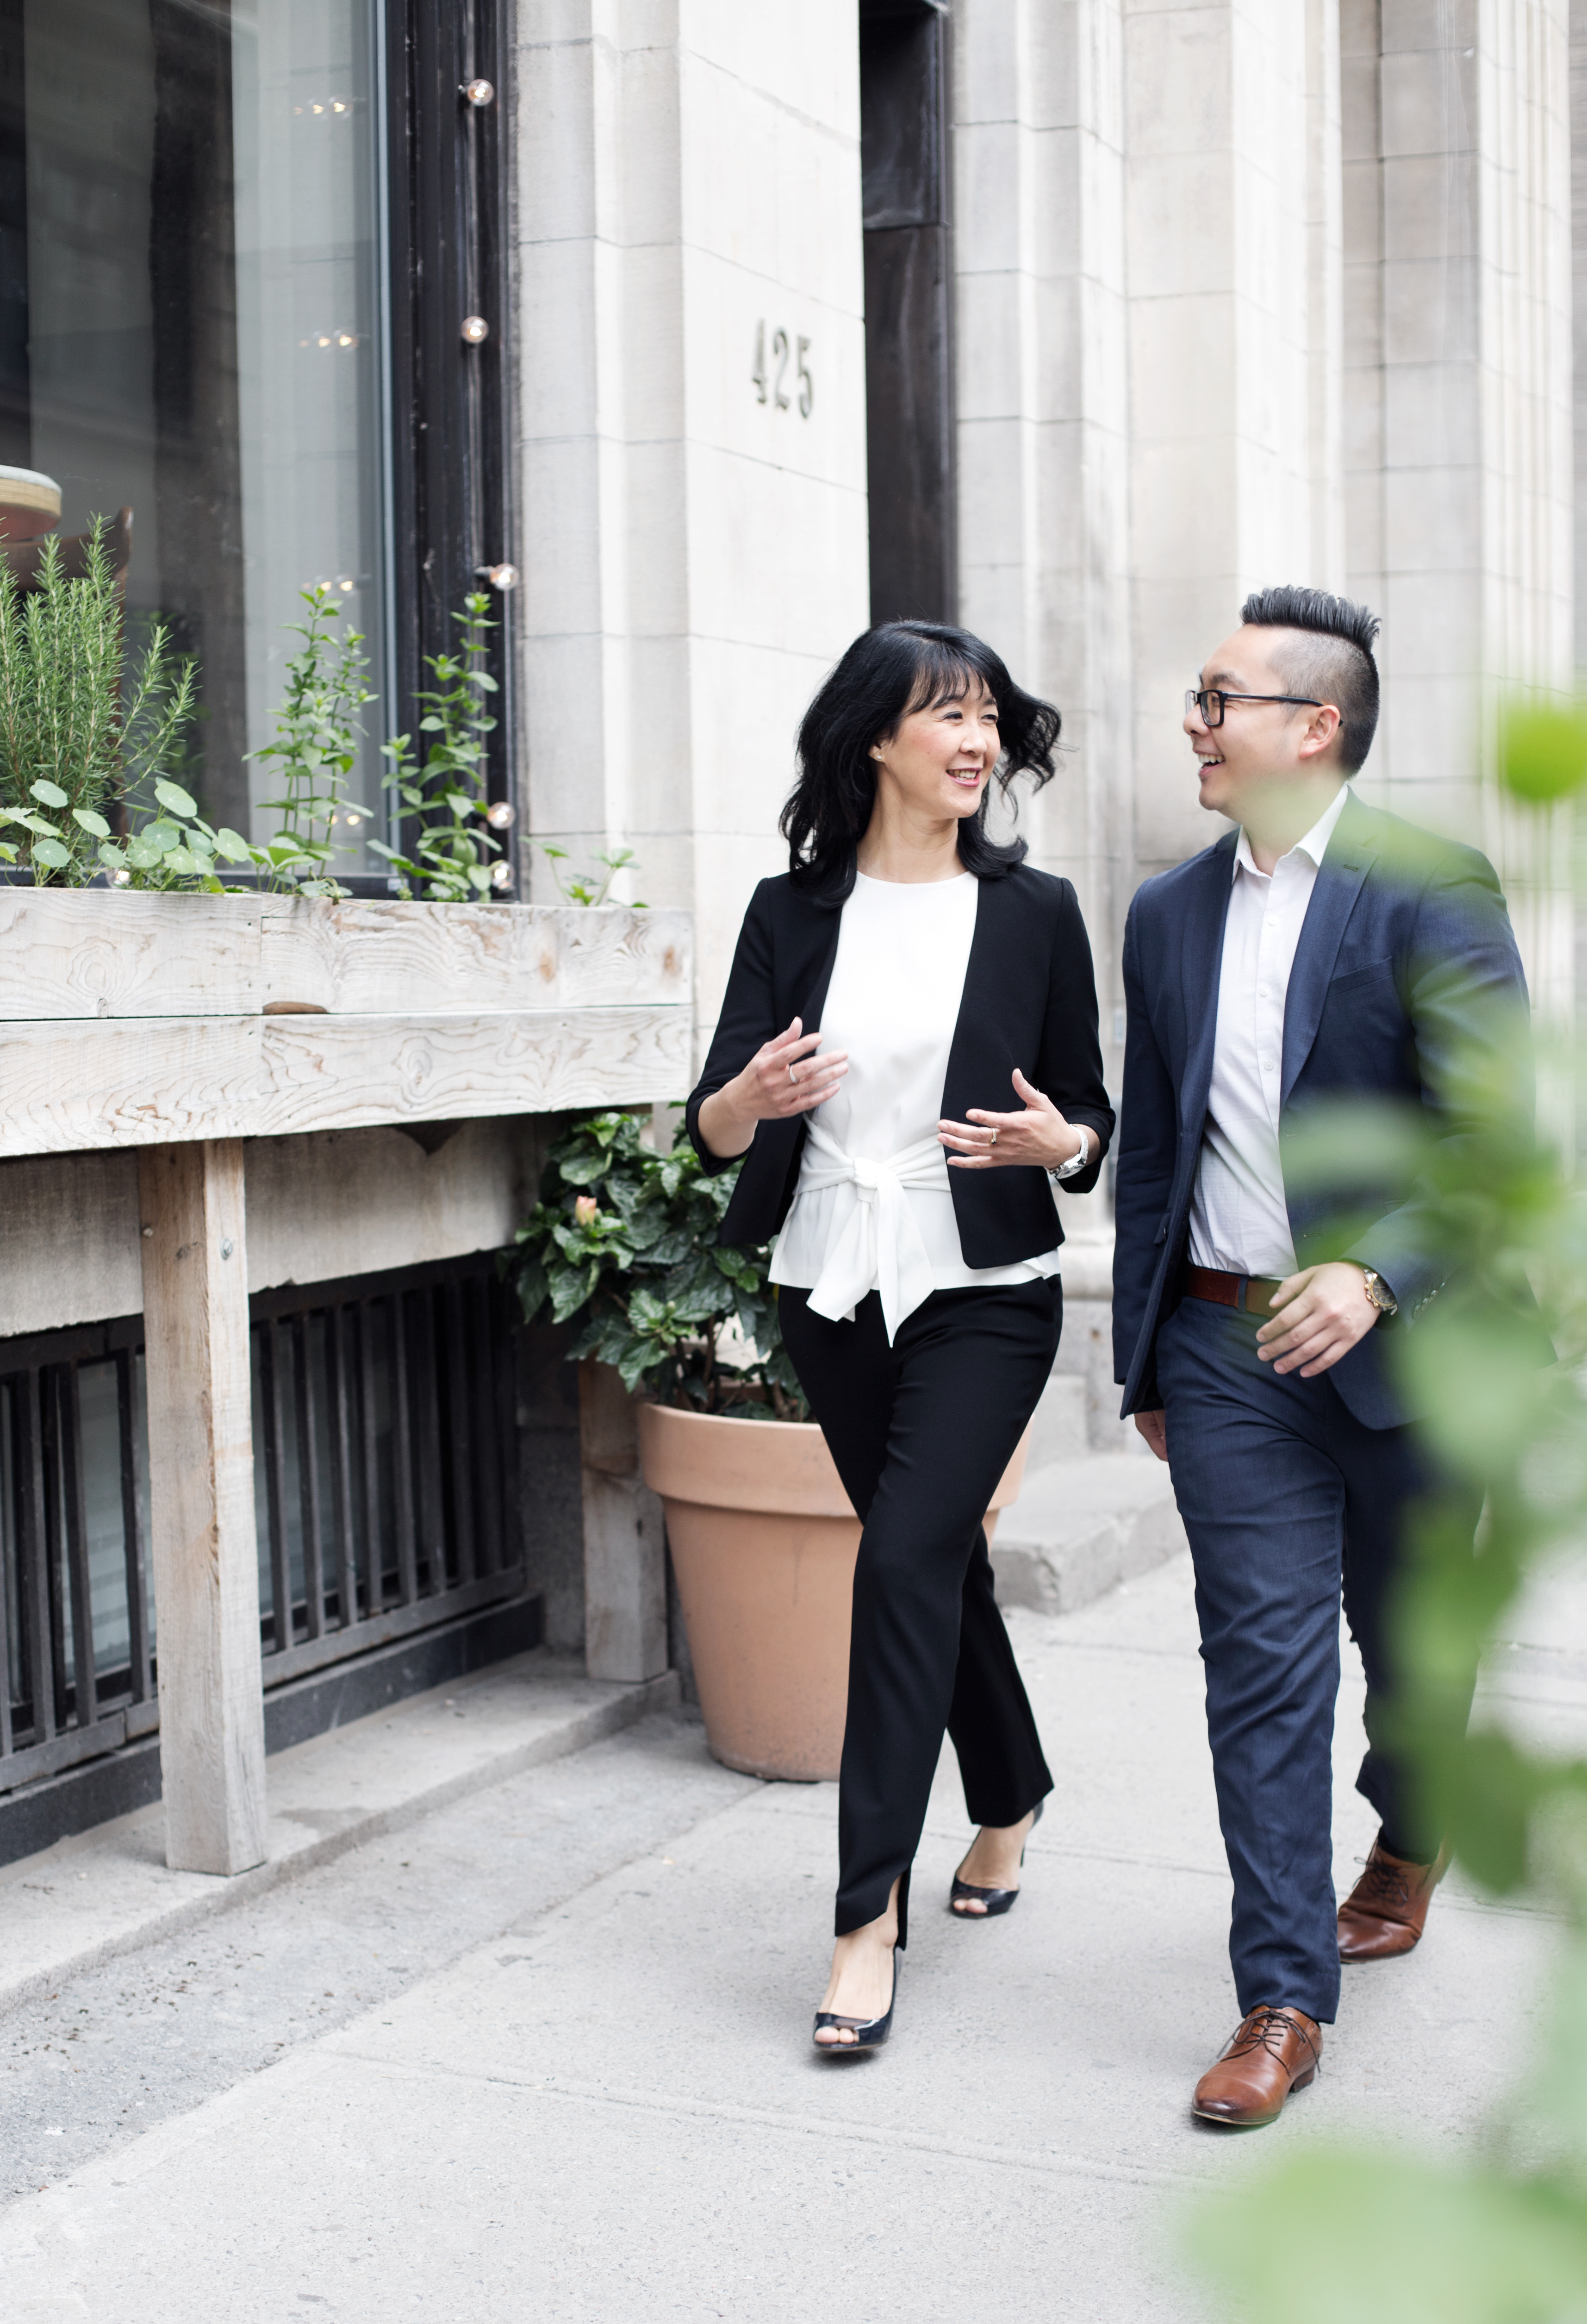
point(764, 1540)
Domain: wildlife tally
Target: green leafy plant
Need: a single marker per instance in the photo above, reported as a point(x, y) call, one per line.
point(583, 887)
point(442, 793)
point(70, 744)
point(1502, 2237)
point(315, 750)
point(174, 848)
point(622, 1244)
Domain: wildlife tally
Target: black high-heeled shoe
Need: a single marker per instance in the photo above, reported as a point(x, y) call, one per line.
point(869, 2032)
point(996, 1900)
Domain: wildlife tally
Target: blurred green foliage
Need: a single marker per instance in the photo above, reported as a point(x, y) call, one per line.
point(623, 1245)
point(1502, 2239)
point(1543, 749)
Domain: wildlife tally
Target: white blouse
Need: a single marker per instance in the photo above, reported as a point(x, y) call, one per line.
point(873, 1210)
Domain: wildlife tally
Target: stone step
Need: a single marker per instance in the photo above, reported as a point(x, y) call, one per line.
point(1080, 1526)
point(1061, 1427)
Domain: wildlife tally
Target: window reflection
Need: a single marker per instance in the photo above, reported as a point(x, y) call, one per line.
point(191, 325)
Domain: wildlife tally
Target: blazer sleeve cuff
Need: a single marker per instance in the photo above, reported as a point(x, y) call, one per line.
point(1413, 1277)
point(1085, 1180)
point(711, 1164)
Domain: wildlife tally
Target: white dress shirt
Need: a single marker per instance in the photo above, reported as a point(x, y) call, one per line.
point(873, 1210)
point(1239, 1219)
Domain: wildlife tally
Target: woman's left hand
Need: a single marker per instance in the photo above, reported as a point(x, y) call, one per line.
point(990, 1141)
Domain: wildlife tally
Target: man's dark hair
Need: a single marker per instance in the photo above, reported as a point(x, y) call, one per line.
point(1332, 660)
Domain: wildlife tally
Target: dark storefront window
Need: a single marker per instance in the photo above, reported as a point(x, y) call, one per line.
point(224, 269)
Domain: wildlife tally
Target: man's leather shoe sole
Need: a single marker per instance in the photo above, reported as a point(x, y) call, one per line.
point(1246, 2118)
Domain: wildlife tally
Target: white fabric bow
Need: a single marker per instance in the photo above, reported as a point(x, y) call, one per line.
point(880, 1246)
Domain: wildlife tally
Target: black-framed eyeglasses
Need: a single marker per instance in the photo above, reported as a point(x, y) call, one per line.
point(1209, 701)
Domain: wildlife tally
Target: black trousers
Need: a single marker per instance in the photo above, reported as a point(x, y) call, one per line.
point(921, 1432)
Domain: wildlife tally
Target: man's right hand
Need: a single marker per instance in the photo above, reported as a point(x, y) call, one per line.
point(775, 1082)
point(1154, 1427)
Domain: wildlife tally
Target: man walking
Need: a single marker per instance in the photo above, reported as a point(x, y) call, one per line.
point(1321, 949)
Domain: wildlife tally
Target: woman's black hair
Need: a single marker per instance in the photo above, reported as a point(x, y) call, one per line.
point(901, 666)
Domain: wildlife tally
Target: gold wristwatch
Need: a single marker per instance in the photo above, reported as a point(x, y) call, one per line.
point(1379, 1293)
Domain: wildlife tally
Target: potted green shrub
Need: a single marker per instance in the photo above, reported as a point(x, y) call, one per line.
point(622, 1245)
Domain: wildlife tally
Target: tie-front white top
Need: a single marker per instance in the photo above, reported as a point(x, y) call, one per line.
point(873, 1210)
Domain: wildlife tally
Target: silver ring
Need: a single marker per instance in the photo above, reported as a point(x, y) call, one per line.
point(992, 1140)
point(793, 1076)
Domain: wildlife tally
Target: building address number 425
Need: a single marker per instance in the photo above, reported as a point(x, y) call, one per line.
point(771, 384)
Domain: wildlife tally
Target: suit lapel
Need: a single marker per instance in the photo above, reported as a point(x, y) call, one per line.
point(1345, 867)
point(1201, 961)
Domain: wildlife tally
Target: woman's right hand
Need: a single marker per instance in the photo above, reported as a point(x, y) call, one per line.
point(785, 1077)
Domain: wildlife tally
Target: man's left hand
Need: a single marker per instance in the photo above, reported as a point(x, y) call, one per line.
point(1319, 1316)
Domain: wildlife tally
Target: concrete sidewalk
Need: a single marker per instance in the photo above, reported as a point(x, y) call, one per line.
point(109, 1890)
point(583, 2089)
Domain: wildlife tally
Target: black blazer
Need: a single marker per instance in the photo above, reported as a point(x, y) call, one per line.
point(1030, 1001)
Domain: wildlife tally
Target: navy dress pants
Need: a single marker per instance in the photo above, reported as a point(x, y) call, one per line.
point(921, 1432)
point(1288, 1500)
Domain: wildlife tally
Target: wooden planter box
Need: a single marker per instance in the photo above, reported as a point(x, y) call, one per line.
point(128, 1020)
point(183, 1026)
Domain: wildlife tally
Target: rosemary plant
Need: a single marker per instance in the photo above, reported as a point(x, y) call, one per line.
point(71, 746)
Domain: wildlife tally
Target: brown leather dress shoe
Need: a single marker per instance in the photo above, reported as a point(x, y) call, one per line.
point(1386, 1911)
point(1274, 2052)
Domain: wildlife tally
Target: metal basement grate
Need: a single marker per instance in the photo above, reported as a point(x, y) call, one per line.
point(385, 1494)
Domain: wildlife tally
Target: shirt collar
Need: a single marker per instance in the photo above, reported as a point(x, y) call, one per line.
point(1315, 844)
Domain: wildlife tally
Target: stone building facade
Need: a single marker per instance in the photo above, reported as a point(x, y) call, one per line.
point(1242, 291)
point(699, 334)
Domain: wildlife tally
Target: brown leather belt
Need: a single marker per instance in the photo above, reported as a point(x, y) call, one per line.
point(1250, 1293)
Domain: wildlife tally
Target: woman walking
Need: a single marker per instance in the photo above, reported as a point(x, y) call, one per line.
point(918, 1244)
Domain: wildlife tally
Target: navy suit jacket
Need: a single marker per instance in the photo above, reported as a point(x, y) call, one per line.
point(1405, 957)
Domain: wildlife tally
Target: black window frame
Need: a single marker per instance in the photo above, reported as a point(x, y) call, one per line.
point(448, 164)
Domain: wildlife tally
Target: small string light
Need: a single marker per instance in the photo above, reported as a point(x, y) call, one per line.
point(479, 93)
point(476, 330)
point(499, 576)
point(500, 814)
point(500, 876)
